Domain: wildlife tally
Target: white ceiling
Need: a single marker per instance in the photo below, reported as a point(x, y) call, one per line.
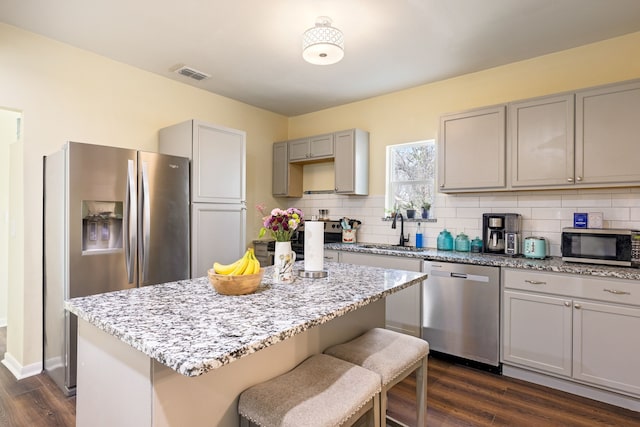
point(252, 48)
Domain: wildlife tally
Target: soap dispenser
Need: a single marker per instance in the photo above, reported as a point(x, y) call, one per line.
point(419, 242)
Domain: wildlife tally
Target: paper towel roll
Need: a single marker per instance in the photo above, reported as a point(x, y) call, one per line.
point(313, 245)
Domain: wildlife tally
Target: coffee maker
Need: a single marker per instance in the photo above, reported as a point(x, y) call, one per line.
point(501, 233)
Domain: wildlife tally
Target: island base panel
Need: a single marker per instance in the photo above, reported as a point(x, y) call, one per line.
point(160, 397)
point(114, 379)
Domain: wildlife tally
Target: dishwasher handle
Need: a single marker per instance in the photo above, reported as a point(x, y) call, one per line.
point(454, 275)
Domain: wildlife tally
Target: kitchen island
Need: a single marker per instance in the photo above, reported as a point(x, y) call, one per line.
point(179, 353)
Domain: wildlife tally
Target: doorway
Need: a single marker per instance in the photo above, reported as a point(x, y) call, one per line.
point(10, 133)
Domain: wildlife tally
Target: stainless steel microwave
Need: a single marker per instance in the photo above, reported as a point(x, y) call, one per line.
point(601, 246)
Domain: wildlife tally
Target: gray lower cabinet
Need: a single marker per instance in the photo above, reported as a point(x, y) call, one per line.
point(332, 256)
point(472, 150)
point(580, 328)
point(403, 307)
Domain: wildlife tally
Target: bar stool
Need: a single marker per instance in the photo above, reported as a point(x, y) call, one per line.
point(393, 356)
point(322, 391)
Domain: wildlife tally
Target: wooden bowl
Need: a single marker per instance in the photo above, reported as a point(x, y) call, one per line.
point(235, 285)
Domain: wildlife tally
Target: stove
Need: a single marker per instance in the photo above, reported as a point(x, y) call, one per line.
point(265, 250)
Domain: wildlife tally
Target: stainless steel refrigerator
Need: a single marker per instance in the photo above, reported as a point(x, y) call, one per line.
point(114, 219)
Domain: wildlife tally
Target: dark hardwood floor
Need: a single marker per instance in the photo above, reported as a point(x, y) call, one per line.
point(462, 396)
point(32, 402)
point(457, 396)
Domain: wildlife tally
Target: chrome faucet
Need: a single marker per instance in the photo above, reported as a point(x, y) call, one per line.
point(403, 240)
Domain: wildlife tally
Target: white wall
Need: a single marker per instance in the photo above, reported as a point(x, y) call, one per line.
point(544, 213)
point(66, 94)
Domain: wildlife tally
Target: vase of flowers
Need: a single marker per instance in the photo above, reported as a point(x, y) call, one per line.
point(281, 224)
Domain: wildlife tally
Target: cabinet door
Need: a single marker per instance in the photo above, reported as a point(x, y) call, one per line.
point(537, 332)
point(607, 129)
point(218, 164)
point(352, 162)
point(298, 149)
point(218, 234)
point(607, 345)
point(286, 178)
point(321, 146)
point(472, 150)
point(331, 256)
point(403, 307)
point(541, 140)
point(280, 173)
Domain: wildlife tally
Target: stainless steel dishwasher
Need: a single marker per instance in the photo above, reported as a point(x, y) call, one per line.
point(461, 311)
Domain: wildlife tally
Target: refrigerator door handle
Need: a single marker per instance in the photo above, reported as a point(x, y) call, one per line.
point(130, 208)
point(146, 225)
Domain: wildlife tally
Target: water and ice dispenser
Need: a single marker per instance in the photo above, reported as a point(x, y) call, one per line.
point(101, 226)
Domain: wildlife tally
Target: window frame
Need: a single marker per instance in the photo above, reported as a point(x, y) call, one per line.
point(390, 201)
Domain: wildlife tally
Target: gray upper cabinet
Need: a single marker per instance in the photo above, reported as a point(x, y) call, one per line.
point(215, 152)
point(608, 135)
point(286, 177)
point(541, 141)
point(586, 139)
point(348, 149)
point(352, 162)
point(316, 147)
point(472, 150)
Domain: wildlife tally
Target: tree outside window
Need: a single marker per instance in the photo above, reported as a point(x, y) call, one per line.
point(411, 171)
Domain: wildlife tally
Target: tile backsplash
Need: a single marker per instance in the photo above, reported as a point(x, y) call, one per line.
point(544, 213)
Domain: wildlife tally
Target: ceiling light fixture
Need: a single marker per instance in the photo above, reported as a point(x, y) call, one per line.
point(323, 44)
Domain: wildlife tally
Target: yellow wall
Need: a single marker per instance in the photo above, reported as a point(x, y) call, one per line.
point(66, 94)
point(412, 115)
point(8, 136)
point(69, 94)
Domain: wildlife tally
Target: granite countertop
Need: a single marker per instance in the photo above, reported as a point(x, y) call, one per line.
point(550, 264)
point(189, 327)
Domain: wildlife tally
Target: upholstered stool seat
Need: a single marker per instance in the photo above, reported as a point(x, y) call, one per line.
point(322, 391)
point(393, 356)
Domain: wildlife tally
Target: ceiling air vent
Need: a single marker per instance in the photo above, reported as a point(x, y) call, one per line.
point(192, 73)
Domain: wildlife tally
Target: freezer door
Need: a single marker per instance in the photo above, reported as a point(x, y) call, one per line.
point(163, 229)
point(98, 232)
point(218, 235)
point(97, 218)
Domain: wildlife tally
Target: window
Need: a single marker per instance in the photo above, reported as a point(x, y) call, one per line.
point(410, 175)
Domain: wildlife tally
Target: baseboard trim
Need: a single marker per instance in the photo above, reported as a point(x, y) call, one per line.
point(583, 390)
point(18, 370)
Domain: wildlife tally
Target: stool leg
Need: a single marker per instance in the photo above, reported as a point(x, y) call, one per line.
point(376, 410)
point(383, 406)
point(421, 392)
point(244, 422)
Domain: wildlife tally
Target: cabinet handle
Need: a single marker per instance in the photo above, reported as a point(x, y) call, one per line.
point(535, 282)
point(578, 306)
point(441, 185)
point(617, 292)
point(569, 179)
point(579, 179)
point(567, 304)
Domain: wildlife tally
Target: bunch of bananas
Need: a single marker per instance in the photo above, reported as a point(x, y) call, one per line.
point(248, 264)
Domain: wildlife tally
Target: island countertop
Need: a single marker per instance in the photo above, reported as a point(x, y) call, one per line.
point(189, 327)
